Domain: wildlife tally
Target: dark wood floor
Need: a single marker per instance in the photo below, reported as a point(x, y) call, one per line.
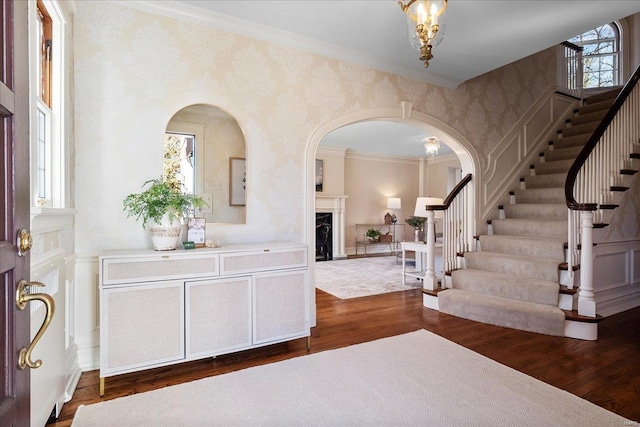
point(605, 372)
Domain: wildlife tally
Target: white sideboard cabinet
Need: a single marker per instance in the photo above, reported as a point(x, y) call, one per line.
point(161, 308)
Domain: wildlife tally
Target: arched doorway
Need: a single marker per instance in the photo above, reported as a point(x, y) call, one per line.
point(402, 114)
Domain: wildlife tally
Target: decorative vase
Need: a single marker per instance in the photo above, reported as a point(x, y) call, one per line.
point(165, 235)
point(416, 234)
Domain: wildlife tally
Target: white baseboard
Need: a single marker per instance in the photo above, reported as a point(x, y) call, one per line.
point(72, 372)
point(89, 357)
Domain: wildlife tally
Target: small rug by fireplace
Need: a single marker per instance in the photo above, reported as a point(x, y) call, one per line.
point(360, 277)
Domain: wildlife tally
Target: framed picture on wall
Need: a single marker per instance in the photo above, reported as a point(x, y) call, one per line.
point(237, 181)
point(319, 172)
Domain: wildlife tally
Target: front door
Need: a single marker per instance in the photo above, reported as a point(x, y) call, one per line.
point(14, 209)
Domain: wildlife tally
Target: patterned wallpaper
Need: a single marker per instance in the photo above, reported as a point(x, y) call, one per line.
point(134, 70)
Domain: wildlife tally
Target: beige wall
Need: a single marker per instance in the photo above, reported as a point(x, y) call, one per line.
point(333, 171)
point(369, 181)
point(134, 70)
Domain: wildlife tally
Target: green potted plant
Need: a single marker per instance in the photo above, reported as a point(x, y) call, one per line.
point(161, 207)
point(416, 222)
point(373, 234)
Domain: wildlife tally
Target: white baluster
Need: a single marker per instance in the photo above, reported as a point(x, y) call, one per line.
point(430, 280)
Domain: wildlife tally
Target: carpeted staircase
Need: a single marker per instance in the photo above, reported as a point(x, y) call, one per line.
point(513, 280)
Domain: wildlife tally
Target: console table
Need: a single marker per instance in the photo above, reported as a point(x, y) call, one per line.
point(420, 248)
point(385, 229)
point(159, 308)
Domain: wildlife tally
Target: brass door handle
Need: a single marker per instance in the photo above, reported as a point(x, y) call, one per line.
point(22, 298)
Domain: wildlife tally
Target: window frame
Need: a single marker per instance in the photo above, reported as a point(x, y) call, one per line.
point(616, 55)
point(51, 105)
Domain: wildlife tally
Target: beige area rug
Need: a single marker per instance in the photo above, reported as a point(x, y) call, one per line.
point(418, 379)
point(360, 277)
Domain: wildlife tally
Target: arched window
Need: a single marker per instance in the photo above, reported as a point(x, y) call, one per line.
point(600, 55)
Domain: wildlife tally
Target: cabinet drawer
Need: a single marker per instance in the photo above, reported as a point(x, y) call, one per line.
point(263, 260)
point(165, 267)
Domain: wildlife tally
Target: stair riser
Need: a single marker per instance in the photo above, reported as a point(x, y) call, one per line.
point(586, 128)
point(559, 166)
point(547, 248)
point(501, 313)
point(555, 211)
point(540, 195)
point(532, 228)
point(597, 106)
point(573, 141)
point(537, 292)
point(545, 181)
point(595, 116)
point(562, 153)
point(536, 268)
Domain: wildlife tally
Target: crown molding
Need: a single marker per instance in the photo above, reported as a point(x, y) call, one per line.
point(358, 155)
point(336, 151)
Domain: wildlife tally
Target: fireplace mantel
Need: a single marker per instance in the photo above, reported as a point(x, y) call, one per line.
point(334, 205)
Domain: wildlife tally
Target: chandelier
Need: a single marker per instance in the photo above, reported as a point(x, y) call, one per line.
point(426, 25)
point(431, 146)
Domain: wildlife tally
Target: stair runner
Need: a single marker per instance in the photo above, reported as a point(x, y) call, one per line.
point(514, 279)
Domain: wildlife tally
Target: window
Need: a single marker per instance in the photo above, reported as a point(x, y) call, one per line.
point(46, 77)
point(600, 56)
point(179, 161)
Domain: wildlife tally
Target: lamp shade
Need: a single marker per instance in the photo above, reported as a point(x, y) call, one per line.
point(394, 203)
point(421, 202)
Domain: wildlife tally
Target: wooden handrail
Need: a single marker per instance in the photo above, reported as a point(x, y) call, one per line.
point(572, 46)
point(592, 142)
point(454, 193)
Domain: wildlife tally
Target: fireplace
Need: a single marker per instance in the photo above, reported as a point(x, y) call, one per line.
point(324, 240)
point(332, 207)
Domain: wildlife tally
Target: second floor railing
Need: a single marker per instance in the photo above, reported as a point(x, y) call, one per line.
point(570, 69)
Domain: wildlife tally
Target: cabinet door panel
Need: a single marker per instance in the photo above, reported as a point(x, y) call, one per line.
point(141, 325)
point(218, 316)
point(280, 303)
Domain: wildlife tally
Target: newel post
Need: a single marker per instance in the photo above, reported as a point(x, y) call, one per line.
point(586, 297)
point(430, 279)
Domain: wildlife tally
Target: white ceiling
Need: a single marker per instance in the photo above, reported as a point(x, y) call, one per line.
point(481, 35)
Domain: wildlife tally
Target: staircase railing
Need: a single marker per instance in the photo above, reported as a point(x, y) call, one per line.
point(570, 69)
point(593, 179)
point(457, 228)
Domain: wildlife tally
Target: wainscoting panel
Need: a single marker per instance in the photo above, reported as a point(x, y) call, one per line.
point(616, 279)
point(520, 148)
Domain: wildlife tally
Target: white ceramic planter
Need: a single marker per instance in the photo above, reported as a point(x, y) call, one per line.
point(165, 235)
